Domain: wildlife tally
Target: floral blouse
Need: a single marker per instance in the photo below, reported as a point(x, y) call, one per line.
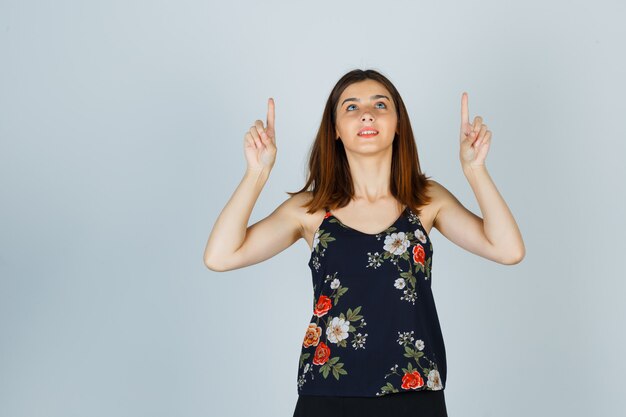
point(374, 329)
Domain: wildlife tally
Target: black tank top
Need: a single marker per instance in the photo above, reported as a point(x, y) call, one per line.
point(374, 329)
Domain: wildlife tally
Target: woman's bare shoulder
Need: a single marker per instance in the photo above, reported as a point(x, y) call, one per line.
point(299, 209)
point(440, 196)
point(437, 193)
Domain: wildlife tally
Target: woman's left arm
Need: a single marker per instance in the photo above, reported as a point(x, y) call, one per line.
point(499, 226)
point(495, 236)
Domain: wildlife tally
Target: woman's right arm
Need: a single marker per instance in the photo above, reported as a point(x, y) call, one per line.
point(231, 243)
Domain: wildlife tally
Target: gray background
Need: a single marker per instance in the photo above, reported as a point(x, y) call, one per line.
point(121, 128)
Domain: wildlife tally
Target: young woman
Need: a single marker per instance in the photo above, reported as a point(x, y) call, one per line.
point(374, 345)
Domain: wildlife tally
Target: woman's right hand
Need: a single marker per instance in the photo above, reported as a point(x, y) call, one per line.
point(260, 142)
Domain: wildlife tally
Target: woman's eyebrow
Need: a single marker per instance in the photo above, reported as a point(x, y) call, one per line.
point(375, 96)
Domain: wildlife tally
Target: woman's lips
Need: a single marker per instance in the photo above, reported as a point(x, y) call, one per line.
point(367, 132)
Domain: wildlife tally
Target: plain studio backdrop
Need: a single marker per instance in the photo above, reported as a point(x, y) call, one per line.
point(121, 128)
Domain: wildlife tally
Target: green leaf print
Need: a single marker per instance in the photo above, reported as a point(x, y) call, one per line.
point(324, 238)
point(352, 315)
point(332, 361)
point(412, 281)
point(410, 367)
point(410, 353)
point(304, 357)
point(389, 388)
point(334, 366)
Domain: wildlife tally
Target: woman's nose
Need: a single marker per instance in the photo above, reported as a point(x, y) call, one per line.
point(367, 116)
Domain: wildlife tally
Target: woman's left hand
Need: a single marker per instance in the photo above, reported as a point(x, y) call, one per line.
point(475, 138)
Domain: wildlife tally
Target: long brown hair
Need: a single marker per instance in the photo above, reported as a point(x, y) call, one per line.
point(329, 176)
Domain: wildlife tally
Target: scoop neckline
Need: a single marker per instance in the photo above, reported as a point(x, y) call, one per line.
point(402, 213)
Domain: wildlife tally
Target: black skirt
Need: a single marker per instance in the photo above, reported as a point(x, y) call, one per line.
point(424, 403)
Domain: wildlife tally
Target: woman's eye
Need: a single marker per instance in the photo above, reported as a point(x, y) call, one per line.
point(380, 102)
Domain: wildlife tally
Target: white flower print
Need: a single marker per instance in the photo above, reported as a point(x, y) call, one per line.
point(419, 234)
point(335, 284)
point(434, 380)
point(419, 344)
point(396, 243)
point(409, 295)
point(374, 260)
point(337, 330)
point(316, 239)
point(306, 368)
point(400, 283)
point(316, 257)
point(405, 337)
point(359, 341)
point(316, 263)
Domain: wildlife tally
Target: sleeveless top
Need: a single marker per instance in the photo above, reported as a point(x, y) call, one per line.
point(374, 329)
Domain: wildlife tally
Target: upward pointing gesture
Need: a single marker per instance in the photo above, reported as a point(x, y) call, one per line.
point(260, 142)
point(475, 138)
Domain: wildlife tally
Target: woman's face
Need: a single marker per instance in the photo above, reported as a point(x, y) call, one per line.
point(366, 104)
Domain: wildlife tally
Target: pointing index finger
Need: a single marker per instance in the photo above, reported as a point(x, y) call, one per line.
point(464, 109)
point(270, 114)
